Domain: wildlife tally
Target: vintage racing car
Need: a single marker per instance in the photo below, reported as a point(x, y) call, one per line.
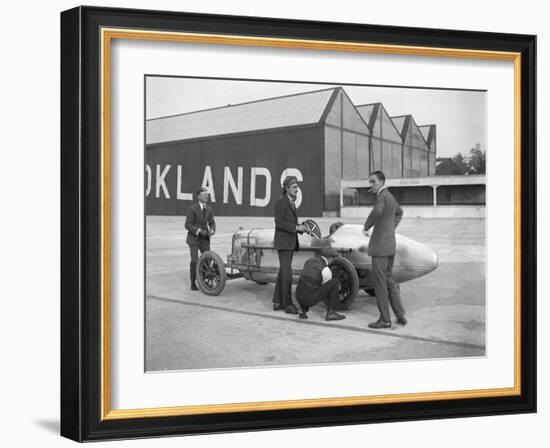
point(254, 258)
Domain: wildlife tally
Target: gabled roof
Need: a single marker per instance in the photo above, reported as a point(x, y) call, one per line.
point(369, 112)
point(402, 122)
point(428, 132)
point(446, 166)
point(271, 113)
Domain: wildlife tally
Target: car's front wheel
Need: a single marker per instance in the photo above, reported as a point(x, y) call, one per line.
point(211, 275)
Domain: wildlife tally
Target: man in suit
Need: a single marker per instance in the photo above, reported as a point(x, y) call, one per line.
point(201, 226)
point(286, 242)
point(384, 217)
point(317, 285)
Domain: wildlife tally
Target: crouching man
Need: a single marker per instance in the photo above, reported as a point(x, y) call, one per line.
point(316, 284)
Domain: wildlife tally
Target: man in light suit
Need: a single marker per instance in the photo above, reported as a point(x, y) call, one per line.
point(201, 226)
point(316, 285)
point(286, 242)
point(384, 217)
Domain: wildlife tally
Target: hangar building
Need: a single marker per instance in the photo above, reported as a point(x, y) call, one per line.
point(242, 153)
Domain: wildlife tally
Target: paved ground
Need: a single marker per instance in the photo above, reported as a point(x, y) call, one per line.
point(189, 330)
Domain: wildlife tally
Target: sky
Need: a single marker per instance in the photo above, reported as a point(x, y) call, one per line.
point(460, 116)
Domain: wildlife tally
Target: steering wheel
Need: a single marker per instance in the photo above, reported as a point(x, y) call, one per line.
point(312, 228)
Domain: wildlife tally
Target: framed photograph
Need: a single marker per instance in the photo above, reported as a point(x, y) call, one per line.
point(276, 224)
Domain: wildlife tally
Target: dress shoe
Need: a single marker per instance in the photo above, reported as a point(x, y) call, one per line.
point(277, 307)
point(333, 315)
point(402, 320)
point(194, 286)
point(380, 324)
point(291, 309)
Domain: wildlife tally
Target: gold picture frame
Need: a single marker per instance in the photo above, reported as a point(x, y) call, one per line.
point(92, 308)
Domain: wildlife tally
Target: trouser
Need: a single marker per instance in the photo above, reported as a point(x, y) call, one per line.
point(283, 287)
point(202, 244)
point(385, 288)
point(327, 293)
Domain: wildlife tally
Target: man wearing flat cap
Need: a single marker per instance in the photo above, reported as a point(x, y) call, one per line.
point(316, 285)
point(201, 226)
point(286, 242)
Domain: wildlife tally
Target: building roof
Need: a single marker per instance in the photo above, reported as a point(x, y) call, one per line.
point(376, 111)
point(369, 112)
point(447, 166)
point(291, 110)
point(428, 132)
point(402, 124)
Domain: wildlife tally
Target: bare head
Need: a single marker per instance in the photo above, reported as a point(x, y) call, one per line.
point(377, 179)
point(203, 195)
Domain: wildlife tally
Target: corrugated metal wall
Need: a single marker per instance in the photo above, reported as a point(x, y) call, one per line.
point(415, 149)
point(236, 169)
point(347, 154)
point(429, 132)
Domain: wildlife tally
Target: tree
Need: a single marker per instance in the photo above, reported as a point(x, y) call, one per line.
point(476, 159)
point(458, 159)
point(472, 163)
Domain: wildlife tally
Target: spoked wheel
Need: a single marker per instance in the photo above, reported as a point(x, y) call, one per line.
point(344, 271)
point(211, 275)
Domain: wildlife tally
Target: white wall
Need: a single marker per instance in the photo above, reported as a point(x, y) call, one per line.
point(423, 211)
point(29, 326)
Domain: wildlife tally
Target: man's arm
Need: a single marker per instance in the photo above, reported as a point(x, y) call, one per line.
point(212, 222)
point(375, 213)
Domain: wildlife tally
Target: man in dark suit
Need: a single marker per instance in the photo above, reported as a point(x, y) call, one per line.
point(201, 226)
point(286, 242)
point(384, 217)
point(317, 285)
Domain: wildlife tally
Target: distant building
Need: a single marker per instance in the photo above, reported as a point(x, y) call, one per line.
point(447, 167)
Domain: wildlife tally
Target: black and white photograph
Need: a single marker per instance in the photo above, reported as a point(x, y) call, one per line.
point(292, 224)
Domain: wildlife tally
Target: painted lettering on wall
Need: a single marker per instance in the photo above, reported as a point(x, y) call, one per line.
point(232, 183)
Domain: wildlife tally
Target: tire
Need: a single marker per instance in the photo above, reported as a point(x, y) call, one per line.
point(211, 275)
point(344, 271)
point(370, 292)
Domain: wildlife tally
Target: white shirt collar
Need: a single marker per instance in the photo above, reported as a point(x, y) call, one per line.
point(326, 261)
point(381, 188)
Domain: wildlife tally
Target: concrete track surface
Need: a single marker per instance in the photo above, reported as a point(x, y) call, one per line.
point(188, 330)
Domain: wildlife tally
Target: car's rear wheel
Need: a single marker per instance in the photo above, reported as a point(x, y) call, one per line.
point(211, 275)
point(344, 271)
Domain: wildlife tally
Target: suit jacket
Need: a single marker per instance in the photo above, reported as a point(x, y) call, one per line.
point(286, 220)
point(311, 278)
point(196, 221)
point(385, 217)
